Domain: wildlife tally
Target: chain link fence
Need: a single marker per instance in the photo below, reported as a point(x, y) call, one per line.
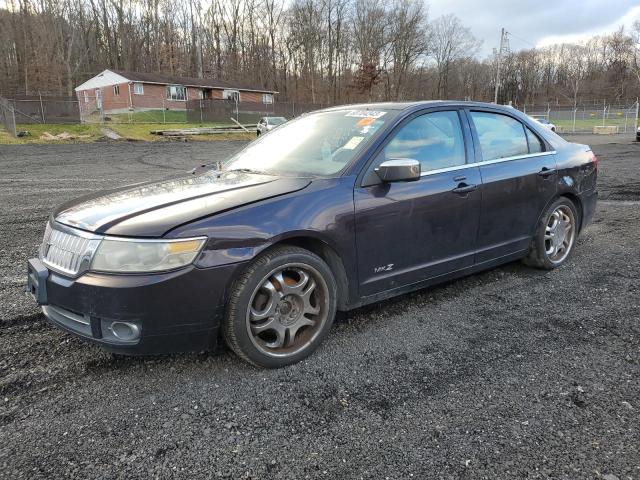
point(584, 118)
point(221, 111)
point(38, 109)
point(7, 116)
point(18, 112)
point(159, 109)
point(118, 109)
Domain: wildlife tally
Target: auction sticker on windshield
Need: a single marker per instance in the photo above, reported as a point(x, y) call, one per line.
point(353, 143)
point(364, 114)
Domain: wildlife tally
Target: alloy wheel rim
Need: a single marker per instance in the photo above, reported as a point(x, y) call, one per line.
point(287, 310)
point(559, 234)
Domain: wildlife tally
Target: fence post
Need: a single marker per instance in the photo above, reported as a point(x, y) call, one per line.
point(41, 107)
point(604, 112)
point(164, 115)
point(626, 119)
point(635, 129)
point(575, 110)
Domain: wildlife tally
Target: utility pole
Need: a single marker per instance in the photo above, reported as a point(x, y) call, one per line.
point(504, 48)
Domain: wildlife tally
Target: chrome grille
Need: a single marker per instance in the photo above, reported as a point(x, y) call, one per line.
point(68, 250)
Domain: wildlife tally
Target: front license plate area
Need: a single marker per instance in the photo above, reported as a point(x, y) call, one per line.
point(37, 275)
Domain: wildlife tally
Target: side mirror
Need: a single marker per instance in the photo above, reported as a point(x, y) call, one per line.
point(399, 170)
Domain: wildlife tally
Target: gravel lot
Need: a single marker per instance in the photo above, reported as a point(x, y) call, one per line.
point(512, 373)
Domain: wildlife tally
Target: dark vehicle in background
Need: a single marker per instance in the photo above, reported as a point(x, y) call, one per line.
point(336, 209)
point(638, 134)
point(266, 124)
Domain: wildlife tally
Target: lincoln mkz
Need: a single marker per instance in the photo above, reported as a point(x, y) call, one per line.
point(331, 211)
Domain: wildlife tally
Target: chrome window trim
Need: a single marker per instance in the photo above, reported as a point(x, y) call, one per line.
point(486, 162)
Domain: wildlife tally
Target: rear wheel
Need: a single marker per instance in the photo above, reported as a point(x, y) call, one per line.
point(281, 308)
point(555, 235)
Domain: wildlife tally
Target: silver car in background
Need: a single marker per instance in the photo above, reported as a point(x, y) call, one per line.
point(546, 123)
point(266, 124)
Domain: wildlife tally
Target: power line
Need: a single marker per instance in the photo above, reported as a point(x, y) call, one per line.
point(521, 39)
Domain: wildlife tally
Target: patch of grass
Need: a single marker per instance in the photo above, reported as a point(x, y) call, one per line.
point(87, 132)
point(142, 131)
point(588, 124)
point(90, 132)
point(149, 116)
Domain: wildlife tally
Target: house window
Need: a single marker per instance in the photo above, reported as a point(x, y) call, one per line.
point(176, 92)
point(267, 98)
point(116, 90)
point(231, 95)
point(86, 97)
point(201, 94)
point(138, 89)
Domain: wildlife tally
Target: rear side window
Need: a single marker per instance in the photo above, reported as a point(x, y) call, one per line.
point(434, 139)
point(535, 144)
point(500, 135)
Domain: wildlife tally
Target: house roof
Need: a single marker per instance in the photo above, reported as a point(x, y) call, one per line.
point(188, 81)
point(113, 77)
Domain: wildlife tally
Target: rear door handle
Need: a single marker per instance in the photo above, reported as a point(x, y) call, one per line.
point(545, 172)
point(464, 189)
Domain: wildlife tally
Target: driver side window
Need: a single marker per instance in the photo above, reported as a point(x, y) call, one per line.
point(434, 139)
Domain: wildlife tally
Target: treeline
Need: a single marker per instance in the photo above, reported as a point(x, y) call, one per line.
point(321, 51)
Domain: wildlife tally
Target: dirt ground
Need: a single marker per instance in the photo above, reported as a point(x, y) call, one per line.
point(511, 373)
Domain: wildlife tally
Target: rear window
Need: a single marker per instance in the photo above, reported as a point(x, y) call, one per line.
point(500, 135)
point(535, 144)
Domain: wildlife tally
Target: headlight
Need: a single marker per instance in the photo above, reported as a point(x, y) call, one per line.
point(123, 255)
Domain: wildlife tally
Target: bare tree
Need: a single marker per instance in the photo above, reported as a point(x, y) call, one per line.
point(451, 41)
point(408, 38)
point(321, 51)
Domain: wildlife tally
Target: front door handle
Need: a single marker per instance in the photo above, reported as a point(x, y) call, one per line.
point(545, 172)
point(463, 188)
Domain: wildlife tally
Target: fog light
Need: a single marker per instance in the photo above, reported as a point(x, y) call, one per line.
point(125, 331)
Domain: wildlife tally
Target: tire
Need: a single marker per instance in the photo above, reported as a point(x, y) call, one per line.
point(275, 317)
point(551, 247)
point(258, 133)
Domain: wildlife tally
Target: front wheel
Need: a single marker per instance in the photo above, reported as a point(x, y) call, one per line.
point(555, 236)
point(281, 308)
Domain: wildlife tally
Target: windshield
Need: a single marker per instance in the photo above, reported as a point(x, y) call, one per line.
point(320, 143)
point(276, 120)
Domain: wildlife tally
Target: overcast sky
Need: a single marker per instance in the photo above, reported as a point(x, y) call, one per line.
point(539, 22)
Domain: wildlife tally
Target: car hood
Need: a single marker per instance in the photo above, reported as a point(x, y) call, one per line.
point(152, 209)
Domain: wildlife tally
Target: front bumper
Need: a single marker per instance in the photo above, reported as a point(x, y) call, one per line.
point(172, 312)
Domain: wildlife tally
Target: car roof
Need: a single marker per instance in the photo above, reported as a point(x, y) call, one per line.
point(416, 105)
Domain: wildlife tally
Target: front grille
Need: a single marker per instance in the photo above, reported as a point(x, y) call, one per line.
point(67, 250)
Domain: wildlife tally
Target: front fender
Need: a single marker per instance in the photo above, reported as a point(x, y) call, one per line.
point(323, 211)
